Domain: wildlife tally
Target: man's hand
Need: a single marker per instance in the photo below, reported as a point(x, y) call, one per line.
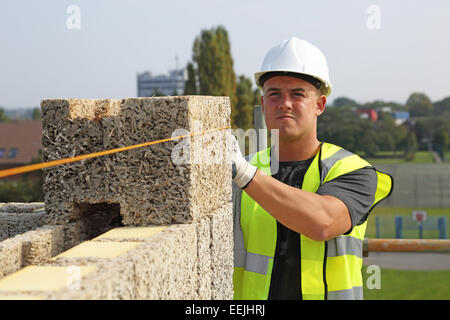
point(243, 172)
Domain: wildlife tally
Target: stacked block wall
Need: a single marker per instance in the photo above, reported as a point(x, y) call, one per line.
point(190, 257)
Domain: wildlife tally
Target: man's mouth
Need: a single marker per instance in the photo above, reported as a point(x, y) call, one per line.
point(285, 116)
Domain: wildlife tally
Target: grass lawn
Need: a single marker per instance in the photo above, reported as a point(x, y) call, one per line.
point(421, 157)
point(409, 285)
point(447, 156)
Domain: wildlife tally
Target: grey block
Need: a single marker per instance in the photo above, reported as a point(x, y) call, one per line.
point(17, 218)
point(204, 259)
point(10, 256)
point(161, 267)
point(152, 185)
point(32, 247)
point(222, 258)
point(185, 184)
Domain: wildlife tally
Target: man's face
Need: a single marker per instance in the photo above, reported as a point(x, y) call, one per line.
point(292, 106)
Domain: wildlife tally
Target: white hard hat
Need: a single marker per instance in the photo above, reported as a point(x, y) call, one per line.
point(299, 58)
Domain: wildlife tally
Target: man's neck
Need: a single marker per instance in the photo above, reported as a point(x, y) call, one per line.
point(298, 150)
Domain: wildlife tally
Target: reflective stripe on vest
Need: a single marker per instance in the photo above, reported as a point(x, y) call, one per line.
point(329, 269)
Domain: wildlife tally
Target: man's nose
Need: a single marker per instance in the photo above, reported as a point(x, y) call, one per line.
point(285, 103)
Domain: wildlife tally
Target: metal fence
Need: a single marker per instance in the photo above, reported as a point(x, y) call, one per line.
point(404, 227)
point(418, 185)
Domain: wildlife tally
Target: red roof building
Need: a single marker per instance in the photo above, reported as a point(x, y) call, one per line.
point(20, 142)
point(368, 114)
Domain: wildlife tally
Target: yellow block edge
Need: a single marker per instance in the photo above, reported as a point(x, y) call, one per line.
point(131, 232)
point(92, 249)
point(45, 278)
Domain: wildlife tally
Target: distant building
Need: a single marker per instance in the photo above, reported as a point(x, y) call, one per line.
point(368, 114)
point(385, 109)
point(400, 117)
point(171, 84)
point(20, 142)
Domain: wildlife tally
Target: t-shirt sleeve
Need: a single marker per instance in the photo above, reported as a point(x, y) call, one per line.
point(357, 190)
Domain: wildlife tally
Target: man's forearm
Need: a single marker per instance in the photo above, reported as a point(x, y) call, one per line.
point(317, 217)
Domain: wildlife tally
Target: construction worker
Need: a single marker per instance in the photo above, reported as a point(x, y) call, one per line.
point(299, 231)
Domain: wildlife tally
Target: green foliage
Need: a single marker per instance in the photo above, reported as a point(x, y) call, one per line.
point(427, 127)
point(26, 189)
point(36, 114)
point(212, 56)
point(256, 97)
point(23, 190)
point(385, 141)
point(212, 74)
point(343, 126)
point(344, 102)
point(442, 107)
point(411, 146)
point(368, 143)
point(190, 87)
point(419, 105)
point(441, 139)
point(380, 104)
point(3, 117)
point(243, 116)
point(387, 129)
point(441, 142)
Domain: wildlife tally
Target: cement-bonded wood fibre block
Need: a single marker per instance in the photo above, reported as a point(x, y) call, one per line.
point(171, 182)
point(162, 266)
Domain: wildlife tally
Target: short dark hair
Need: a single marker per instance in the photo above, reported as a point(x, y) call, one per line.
point(314, 81)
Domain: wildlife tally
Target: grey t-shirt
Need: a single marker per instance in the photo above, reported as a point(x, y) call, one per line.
point(356, 189)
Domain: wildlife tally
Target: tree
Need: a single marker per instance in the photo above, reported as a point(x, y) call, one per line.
point(442, 106)
point(3, 117)
point(411, 146)
point(342, 127)
point(344, 102)
point(368, 143)
point(345, 137)
point(214, 65)
point(190, 87)
point(389, 136)
point(36, 115)
point(243, 116)
point(256, 97)
point(441, 142)
point(419, 105)
point(28, 188)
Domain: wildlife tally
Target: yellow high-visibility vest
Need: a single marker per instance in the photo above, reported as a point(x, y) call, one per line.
point(329, 269)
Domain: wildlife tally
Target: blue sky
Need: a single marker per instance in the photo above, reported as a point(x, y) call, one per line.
point(41, 58)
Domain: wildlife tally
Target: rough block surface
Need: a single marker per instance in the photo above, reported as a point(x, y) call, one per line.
point(16, 218)
point(171, 182)
point(148, 223)
point(32, 247)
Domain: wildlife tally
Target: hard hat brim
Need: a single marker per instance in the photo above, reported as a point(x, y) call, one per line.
point(326, 87)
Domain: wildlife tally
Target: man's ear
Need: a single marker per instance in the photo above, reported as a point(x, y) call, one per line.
point(320, 104)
